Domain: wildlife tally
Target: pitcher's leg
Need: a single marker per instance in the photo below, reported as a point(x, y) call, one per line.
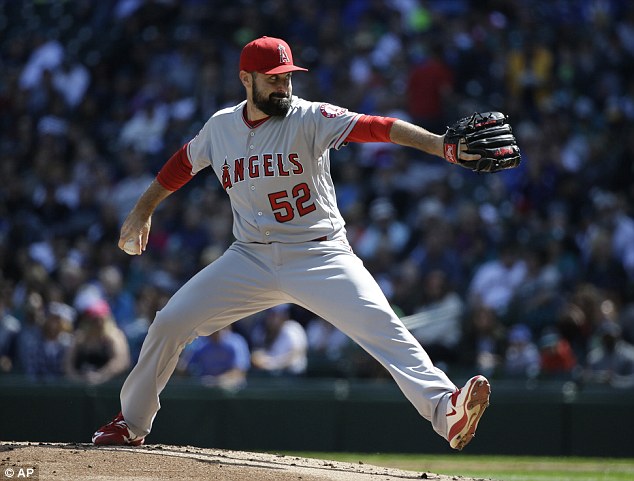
point(344, 293)
point(231, 288)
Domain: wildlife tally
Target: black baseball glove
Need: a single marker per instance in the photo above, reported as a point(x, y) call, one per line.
point(487, 134)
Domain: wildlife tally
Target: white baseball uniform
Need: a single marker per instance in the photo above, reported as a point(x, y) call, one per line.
point(290, 247)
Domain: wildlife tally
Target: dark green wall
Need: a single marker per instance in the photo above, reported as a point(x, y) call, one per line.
point(327, 415)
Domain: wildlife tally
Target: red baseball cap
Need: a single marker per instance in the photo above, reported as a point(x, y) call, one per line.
point(268, 55)
point(98, 308)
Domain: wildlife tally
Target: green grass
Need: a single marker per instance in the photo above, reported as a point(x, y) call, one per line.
point(499, 468)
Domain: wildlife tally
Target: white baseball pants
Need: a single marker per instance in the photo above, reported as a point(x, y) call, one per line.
point(324, 277)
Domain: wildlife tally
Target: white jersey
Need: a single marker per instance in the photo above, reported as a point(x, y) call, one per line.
point(277, 174)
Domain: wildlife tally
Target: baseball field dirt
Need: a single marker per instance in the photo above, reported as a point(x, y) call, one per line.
point(84, 462)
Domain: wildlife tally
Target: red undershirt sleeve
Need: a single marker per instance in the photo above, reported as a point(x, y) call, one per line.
point(371, 128)
point(177, 171)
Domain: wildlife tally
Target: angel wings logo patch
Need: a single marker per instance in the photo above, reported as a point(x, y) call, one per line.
point(331, 111)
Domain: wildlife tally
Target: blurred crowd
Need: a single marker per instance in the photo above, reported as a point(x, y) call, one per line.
point(525, 274)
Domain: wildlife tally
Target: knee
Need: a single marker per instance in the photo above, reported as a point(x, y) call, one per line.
point(165, 326)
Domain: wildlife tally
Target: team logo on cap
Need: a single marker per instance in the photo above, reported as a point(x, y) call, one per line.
point(331, 111)
point(283, 55)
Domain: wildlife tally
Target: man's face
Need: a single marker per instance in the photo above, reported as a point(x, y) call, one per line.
point(272, 93)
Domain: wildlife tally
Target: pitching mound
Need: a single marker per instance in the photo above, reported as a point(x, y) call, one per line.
point(83, 462)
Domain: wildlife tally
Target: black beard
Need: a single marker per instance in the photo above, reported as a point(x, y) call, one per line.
point(275, 105)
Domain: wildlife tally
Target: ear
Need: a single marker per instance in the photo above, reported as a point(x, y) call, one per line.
point(245, 78)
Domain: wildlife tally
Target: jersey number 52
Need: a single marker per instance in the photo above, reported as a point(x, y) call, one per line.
point(282, 206)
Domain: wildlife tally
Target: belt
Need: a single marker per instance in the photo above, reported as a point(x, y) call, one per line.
point(318, 239)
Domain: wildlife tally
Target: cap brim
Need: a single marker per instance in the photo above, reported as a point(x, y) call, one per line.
point(284, 69)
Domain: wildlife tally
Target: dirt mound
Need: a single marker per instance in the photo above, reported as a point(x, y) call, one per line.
point(83, 462)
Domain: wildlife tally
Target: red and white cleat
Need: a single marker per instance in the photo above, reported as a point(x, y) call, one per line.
point(116, 433)
point(464, 410)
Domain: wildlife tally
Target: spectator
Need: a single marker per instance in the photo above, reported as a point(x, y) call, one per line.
point(29, 339)
point(483, 341)
point(327, 349)
point(325, 339)
point(221, 359)
point(587, 298)
point(536, 300)
point(350, 187)
point(280, 345)
point(615, 215)
point(494, 283)
point(521, 358)
point(429, 85)
point(121, 301)
point(191, 236)
point(384, 232)
point(557, 359)
point(100, 350)
point(573, 328)
point(612, 361)
point(125, 192)
point(529, 69)
point(440, 317)
point(603, 269)
point(71, 277)
point(435, 252)
point(145, 130)
point(56, 337)
point(149, 300)
point(612, 219)
point(472, 239)
point(9, 331)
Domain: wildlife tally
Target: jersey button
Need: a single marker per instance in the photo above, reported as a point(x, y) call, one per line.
point(267, 233)
point(260, 213)
point(251, 146)
point(252, 134)
point(253, 187)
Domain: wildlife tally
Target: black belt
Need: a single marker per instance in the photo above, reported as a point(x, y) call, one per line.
point(318, 239)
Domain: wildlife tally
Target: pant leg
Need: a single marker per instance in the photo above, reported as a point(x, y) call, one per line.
point(233, 287)
point(341, 290)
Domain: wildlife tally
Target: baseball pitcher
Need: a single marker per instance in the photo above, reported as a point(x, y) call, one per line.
point(270, 153)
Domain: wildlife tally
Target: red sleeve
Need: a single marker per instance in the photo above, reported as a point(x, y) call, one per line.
point(371, 128)
point(177, 171)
